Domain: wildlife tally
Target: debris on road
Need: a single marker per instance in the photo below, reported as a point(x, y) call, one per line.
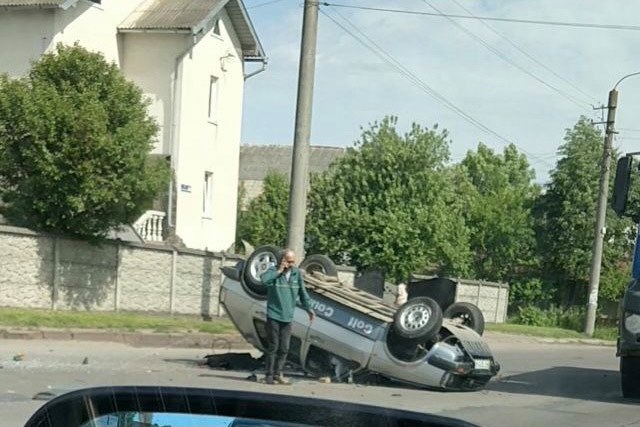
point(18, 357)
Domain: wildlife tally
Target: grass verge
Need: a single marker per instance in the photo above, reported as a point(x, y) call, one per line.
point(30, 318)
point(605, 333)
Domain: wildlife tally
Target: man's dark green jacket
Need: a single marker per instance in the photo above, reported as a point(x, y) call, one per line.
point(283, 294)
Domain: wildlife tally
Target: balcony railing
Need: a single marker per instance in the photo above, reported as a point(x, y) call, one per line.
point(149, 226)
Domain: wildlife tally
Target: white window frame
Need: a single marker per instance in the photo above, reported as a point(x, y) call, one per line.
point(207, 195)
point(214, 99)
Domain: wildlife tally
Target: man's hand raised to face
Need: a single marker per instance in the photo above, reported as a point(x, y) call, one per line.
point(288, 261)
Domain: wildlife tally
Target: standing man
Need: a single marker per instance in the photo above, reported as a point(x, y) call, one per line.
point(284, 287)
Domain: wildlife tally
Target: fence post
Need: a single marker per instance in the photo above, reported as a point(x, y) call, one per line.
point(56, 273)
point(116, 298)
point(221, 278)
point(504, 313)
point(478, 296)
point(498, 303)
point(172, 289)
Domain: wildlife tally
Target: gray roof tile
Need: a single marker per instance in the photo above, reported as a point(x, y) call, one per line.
point(192, 15)
point(34, 3)
point(257, 160)
point(170, 14)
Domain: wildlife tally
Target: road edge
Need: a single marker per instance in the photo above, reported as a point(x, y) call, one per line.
point(134, 338)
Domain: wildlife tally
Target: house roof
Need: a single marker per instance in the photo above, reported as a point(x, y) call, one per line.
point(42, 4)
point(256, 161)
point(193, 16)
point(38, 3)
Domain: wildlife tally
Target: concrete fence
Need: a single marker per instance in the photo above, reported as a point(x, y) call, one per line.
point(491, 298)
point(50, 272)
point(42, 271)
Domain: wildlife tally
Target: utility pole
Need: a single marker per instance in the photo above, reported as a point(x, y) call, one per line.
point(301, 148)
point(600, 231)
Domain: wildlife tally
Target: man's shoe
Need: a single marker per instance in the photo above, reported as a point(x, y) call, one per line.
point(279, 379)
point(269, 379)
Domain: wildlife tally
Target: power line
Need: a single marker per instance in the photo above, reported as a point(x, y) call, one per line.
point(490, 18)
point(389, 59)
point(267, 3)
point(508, 60)
point(408, 74)
point(512, 43)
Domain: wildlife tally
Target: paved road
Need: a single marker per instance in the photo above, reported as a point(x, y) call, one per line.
point(540, 385)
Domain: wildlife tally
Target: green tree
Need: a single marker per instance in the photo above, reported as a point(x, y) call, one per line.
point(499, 212)
point(74, 142)
point(390, 203)
point(264, 222)
point(567, 219)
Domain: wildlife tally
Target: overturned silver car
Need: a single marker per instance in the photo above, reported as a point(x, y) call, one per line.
point(355, 332)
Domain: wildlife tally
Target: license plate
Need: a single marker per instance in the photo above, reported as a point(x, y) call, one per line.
point(483, 364)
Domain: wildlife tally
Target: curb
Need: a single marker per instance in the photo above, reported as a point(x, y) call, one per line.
point(544, 340)
point(134, 339)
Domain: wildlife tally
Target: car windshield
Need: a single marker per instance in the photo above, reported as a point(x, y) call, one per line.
point(420, 205)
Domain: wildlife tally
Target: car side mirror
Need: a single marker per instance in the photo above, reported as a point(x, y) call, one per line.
point(621, 185)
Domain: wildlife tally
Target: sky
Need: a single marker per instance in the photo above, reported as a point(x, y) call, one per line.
point(525, 83)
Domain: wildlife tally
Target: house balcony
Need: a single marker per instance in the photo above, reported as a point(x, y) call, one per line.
point(150, 226)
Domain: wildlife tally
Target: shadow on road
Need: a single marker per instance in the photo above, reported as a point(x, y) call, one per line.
point(246, 363)
point(563, 381)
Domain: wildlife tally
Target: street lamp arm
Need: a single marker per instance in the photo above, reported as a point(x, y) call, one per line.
point(628, 75)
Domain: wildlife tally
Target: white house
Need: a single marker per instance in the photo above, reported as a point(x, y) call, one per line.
point(189, 58)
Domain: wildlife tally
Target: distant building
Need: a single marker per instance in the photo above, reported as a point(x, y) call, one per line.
point(256, 161)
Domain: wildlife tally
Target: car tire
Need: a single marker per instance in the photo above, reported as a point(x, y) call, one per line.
point(629, 374)
point(418, 319)
point(321, 263)
point(469, 315)
point(258, 262)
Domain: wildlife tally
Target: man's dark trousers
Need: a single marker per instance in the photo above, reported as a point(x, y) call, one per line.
point(279, 336)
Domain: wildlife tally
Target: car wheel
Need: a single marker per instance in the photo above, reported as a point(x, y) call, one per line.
point(258, 262)
point(629, 373)
point(419, 318)
point(321, 263)
point(467, 314)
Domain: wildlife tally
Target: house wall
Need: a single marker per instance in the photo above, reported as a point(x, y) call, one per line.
point(95, 26)
point(210, 146)
point(149, 59)
point(25, 34)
